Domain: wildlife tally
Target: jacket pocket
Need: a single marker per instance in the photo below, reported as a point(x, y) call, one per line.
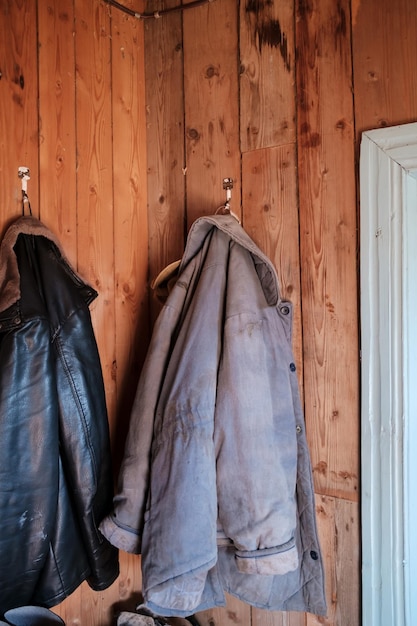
point(270, 561)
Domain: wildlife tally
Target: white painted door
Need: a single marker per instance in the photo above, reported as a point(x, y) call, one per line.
point(388, 266)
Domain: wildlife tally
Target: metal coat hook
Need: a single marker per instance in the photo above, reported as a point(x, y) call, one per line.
point(24, 175)
point(225, 208)
point(228, 186)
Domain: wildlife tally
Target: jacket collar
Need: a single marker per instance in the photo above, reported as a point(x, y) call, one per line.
point(231, 227)
point(9, 269)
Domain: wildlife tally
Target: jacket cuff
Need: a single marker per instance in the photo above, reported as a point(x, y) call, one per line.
point(122, 537)
point(268, 562)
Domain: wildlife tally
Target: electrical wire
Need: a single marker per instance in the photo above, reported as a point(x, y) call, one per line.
point(156, 14)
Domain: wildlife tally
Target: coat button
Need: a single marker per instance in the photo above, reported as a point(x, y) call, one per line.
point(285, 310)
point(16, 320)
point(298, 428)
point(292, 367)
point(314, 555)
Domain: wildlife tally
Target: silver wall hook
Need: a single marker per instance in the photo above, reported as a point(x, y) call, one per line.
point(228, 186)
point(24, 175)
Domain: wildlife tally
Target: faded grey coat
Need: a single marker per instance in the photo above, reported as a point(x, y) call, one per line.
point(215, 488)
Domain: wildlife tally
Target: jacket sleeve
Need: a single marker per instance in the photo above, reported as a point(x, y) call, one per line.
point(123, 526)
point(179, 535)
point(84, 440)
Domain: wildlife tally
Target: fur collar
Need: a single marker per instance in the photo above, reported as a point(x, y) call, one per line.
point(9, 269)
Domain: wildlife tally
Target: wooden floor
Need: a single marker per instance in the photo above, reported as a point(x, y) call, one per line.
point(129, 127)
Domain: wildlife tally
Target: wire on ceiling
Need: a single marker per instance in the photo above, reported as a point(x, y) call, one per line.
point(156, 14)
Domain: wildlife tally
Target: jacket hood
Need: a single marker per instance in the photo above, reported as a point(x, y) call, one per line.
point(9, 269)
point(229, 225)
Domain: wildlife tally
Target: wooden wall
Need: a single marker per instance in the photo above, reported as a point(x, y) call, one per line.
point(129, 127)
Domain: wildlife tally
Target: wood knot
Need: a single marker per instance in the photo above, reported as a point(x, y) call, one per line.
point(321, 468)
point(192, 133)
point(212, 71)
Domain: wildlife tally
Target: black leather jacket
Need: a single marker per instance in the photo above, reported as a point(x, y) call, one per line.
point(55, 470)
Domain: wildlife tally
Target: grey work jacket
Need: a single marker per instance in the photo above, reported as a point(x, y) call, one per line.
point(215, 490)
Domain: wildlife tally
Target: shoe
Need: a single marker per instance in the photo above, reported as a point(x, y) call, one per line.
point(32, 616)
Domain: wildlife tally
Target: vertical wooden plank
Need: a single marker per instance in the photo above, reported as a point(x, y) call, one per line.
point(211, 106)
point(95, 217)
point(127, 589)
point(338, 525)
point(57, 151)
point(165, 141)
point(270, 213)
point(277, 618)
point(130, 249)
point(235, 612)
point(269, 185)
point(130, 210)
point(18, 109)
point(271, 219)
point(71, 609)
point(212, 146)
point(267, 67)
point(384, 63)
point(328, 243)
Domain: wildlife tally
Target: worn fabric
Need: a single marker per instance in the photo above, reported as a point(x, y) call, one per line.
point(55, 472)
point(215, 489)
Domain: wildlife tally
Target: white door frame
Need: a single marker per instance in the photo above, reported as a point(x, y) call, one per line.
point(388, 266)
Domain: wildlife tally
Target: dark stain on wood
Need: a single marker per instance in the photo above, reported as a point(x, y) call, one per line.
point(257, 6)
point(18, 78)
point(341, 26)
point(267, 30)
point(17, 99)
point(304, 8)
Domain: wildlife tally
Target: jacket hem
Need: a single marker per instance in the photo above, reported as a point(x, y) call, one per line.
point(181, 594)
point(57, 598)
point(319, 608)
point(104, 584)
